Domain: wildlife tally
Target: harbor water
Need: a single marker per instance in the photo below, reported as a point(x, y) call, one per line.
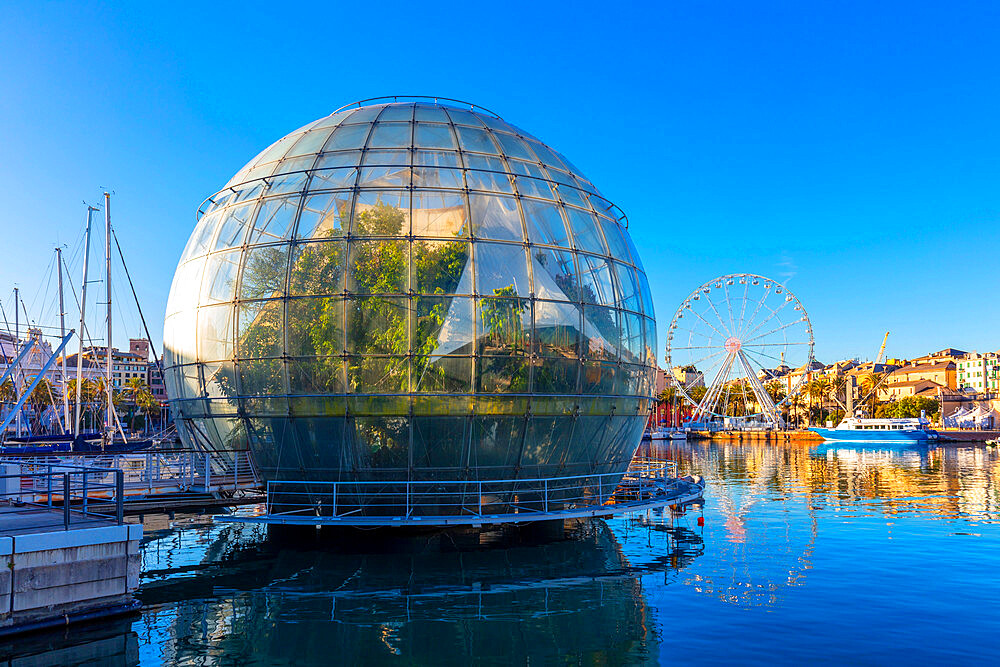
point(806, 554)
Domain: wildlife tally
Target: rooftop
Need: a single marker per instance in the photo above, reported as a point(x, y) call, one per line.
point(926, 368)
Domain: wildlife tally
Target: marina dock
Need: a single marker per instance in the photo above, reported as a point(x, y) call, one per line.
point(809, 438)
point(966, 435)
point(64, 561)
point(801, 436)
point(152, 481)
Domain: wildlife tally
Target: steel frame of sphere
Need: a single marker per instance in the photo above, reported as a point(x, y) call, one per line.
point(405, 300)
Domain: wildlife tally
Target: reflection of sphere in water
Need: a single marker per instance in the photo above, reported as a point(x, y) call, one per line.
point(417, 289)
point(430, 600)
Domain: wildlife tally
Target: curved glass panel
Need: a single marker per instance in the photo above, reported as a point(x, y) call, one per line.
point(412, 289)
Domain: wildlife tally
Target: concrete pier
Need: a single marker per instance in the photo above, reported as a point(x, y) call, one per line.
point(810, 438)
point(51, 576)
point(777, 437)
point(969, 435)
point(61, 562)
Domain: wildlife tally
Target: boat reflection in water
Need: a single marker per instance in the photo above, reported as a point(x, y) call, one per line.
point(244, 596)
point(767, 505)
point(809, 554)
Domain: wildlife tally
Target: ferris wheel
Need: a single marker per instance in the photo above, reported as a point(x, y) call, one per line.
point(734, 345)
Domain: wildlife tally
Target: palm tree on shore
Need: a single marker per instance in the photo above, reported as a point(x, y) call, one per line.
point(668, 398)
point(793, 409)
point(838, 389)
point(40, 400)
point(88, 396)
point(7, 392)
point(141, 399)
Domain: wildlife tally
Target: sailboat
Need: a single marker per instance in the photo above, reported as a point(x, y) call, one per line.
point(112, 439)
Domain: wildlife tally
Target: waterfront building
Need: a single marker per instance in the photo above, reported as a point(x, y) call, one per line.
point(32, 362)
point(855, 379)
point(897, 390)
point(156, 386)
point(840, 368)
point(92, 367)
point(124, 365)
point(770, 374)
point(942, 373)
point(979, 372)
point(948, 354)
point(412, 291)
point(870, 368)
point(26, 370)
point(687, 376)
point(810, 370)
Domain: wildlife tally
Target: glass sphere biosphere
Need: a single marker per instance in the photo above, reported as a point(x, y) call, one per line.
point(411, 290)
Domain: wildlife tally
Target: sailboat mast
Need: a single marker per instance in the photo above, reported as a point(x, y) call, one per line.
point(17, 343)
point(83, 312)
point(62, 333)
point(109, 423)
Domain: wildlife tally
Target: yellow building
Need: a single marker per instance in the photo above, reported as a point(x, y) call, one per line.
point(898, 390)
point(941, 372)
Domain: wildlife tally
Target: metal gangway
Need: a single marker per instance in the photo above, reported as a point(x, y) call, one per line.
point(647, 484)
point(143, 474)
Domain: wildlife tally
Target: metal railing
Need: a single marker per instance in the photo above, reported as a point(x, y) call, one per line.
point(466, 499)
point(39, 494)
point(152, 472)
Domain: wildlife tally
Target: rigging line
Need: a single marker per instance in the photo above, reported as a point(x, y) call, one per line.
point(72, 289)
point(48, 281)
point(24, 309)
point(875, 385)
point(51, 327)
point(126, 325)
point(20, 365)
point(776, 330)
point(152, 347)
point(774, 313)
point(129, 319)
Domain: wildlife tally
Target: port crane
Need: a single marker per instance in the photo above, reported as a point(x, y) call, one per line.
point(879, 358)
point(881, 350)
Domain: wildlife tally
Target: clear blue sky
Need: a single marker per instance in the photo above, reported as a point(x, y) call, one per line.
point(851, 150)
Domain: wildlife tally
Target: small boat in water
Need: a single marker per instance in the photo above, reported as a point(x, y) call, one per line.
point(858, 429)
point(665, 434)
